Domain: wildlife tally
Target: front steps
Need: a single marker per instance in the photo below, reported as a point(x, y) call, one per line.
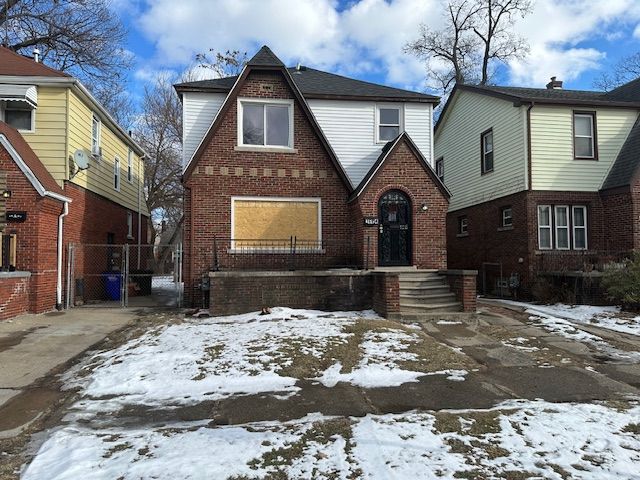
point(425, 292)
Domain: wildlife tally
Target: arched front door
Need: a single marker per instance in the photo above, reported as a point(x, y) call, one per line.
point(394, 229)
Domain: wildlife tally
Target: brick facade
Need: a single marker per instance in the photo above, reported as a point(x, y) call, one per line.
point(222, 171)
point(14, 294)
point(89, 219)
point(488, 246)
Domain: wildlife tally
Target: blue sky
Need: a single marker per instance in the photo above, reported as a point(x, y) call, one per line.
point(574, 39)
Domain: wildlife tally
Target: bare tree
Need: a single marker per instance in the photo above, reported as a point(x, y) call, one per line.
point(627, 69)
point(159, 131)
point(477, 35)
point(227, 64)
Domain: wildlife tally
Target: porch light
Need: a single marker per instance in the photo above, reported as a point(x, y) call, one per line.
point(6, 194)
point(424, 207)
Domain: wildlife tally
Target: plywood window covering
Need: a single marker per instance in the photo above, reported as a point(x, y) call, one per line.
point(270, 222)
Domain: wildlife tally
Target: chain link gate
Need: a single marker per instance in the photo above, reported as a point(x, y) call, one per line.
point(126, 275)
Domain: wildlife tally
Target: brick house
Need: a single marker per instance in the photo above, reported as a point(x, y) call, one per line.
point(544, 185)
point(298, 169)
point(49, 123)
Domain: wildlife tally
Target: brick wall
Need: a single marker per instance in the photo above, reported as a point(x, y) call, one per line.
point(402, 171)
point(14, 294)
point(463, 284)
point(386, 299)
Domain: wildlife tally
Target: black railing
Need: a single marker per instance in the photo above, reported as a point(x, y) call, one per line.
point(559, 261)
point(288, 254)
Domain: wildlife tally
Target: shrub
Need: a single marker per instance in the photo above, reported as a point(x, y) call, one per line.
point(622, 282)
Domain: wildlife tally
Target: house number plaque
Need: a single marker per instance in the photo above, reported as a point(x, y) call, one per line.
point(16, 217)
point(371, 221)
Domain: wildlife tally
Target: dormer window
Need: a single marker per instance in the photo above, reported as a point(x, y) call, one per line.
point(265, 123)
point(389, 122)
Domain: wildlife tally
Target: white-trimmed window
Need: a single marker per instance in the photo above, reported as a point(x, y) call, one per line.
point(269, 223)
point(129, 225)
point(265, 123)
point(20, 115)
point(116, 173)
point(507, 217)
point(388, 122)
point(440, 168)
point(130, 166)
point(486, 144)
point(579, 213)
point(463, 225)
point(545, 234)
point(584, 144)
point(96, 127)
point(562, 227)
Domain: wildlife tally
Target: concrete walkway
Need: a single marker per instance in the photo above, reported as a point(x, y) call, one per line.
point(31, 346)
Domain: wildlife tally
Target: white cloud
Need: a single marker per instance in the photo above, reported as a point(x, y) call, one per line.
point(636, 31)
point(367, 36)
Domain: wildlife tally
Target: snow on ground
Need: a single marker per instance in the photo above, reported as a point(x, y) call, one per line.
point(211, 359)
point(534, 439)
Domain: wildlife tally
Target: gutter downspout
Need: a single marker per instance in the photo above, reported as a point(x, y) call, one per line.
point(139, 212)
point(65, 212)
point(529, 182)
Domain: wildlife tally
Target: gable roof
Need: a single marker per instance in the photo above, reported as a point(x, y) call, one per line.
point(388, 148)
point(30, 164)
point(628, 92)
point(316, 84)
point(12, 63)
point(263, 61)
point(624, 167)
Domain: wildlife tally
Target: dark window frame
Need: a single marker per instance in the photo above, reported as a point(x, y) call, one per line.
point(440, 162)
point(594, 123)
point(483, 154)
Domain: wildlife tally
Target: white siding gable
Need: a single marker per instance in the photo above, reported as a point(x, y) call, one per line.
point(199, 110)
point(350, 128)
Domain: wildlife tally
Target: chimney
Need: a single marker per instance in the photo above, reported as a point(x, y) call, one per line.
point(554, 84)
point(36, 54)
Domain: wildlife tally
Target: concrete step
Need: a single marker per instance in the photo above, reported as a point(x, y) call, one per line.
point(422, 282)
point(431, 289)
point(428, 299)
point(430, 308)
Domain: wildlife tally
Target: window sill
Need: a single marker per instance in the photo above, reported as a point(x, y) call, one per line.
point(462, 235)
point(587, 159)
point(130, 237)
point(505, 229)
point(257, 148)
point(14, 274)
point(275, 251)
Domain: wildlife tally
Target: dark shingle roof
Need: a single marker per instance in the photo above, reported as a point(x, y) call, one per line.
point(265, 58)
point(629, 92)
point(318, 84)
point(626, 163)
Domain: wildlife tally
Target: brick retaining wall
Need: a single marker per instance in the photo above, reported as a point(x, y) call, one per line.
point(463, 284)
point(14, 294)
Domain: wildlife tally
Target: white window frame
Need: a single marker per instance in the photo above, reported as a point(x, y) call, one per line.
point(116, 174)
point(96, 139)
point(549, 226)
point(440, 168)
point(566, 227)
point(504, 217)
point(485, 152)
point(317, 200)
point(265, 101)
point(463, 225)
point(130, 166)
point(129, 225)
point(582, 227)
point(591, 137)
point(400, 125)
point(32, 129)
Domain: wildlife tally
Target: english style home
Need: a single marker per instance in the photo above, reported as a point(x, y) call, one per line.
point(544, 182)
point(295, 168)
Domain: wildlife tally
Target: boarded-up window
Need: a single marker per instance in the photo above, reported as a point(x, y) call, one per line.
point(264, 222)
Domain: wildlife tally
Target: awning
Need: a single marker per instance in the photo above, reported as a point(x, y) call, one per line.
point(19, 93)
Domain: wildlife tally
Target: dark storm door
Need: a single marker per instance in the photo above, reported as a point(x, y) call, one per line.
point(394, 229)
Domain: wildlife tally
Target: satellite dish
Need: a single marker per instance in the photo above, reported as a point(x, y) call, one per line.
point(81, 159)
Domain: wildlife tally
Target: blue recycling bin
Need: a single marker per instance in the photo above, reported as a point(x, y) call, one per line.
point(112, 284)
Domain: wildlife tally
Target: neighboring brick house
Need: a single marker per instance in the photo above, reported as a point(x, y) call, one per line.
point(544, 184)
point(94, 165)
point(294, 158)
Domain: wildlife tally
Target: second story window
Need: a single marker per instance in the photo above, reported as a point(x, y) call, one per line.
point(487, 151)
point(20, 115)
point(116, 173)
point(389, 122)
point(265, 124)
point(584, 135)
point(95, 135)
point(507, 217)
point(130, 166)
point(440, 168)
